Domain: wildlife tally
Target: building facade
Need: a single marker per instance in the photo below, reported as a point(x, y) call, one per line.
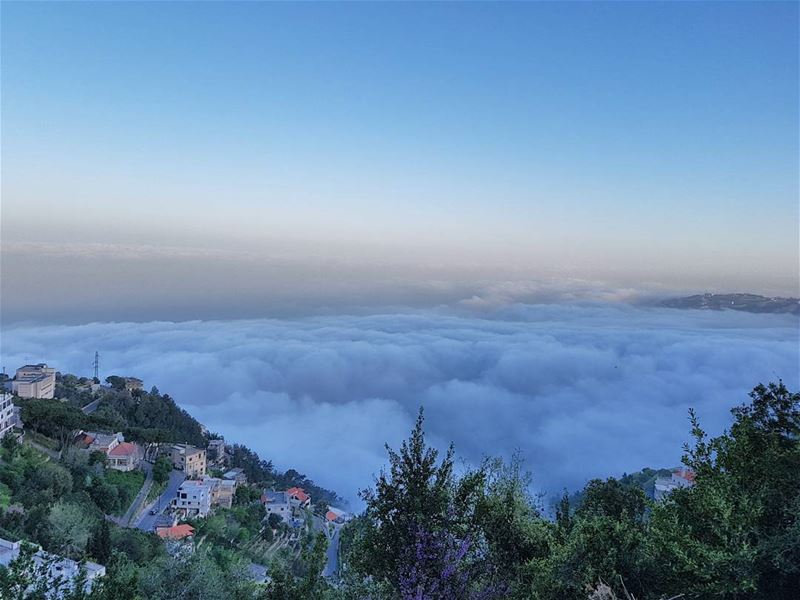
point(125, 456)
point(7, 419)
point(193, 498)
point(190, 460)
point(236, 475)
point(35, 381)
point(277, 503)
point(680, 478)
point(62, 573)
point(222, 491)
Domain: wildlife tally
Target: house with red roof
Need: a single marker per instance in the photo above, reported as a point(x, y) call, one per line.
point(298, 497)
point(125, 456)
point(680, 478)
point(176, 532)
point(335, 515)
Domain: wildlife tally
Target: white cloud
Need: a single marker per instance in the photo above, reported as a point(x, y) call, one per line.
point(581, 391)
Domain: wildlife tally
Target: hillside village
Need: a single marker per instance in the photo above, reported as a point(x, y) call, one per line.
point(112, 492)
point(174, 481)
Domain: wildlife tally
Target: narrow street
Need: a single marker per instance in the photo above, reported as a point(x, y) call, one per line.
point(332, 566)
point(133, 509)
point(146, 520)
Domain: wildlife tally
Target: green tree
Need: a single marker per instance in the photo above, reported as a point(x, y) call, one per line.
point(418, 499)
point(161, 470)
point(99, 545)
point(736, 532)
point(70, 527)
point(121, 581)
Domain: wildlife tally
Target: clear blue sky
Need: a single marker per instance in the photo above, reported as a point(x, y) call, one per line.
point(639, 134)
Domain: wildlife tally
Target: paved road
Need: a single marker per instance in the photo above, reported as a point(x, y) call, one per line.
point(91, 407)
point(133, 509)
point(332, 566)
point(147, 521)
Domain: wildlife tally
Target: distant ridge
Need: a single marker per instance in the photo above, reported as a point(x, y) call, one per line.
point(745, 302)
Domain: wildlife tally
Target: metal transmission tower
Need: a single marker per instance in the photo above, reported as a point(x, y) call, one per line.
point(96, 365)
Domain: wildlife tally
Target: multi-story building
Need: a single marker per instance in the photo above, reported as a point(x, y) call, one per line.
point(236, 475)
point(62, 573)
point(7, 418)
point(34, 381)
point(193, 498)
point(222, 491)
point(277, 503)
point(216, 449)
point(188, 459)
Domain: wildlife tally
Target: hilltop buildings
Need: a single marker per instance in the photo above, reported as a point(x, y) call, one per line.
point(277, 503)
point(298, 497)
point(193, 498)
point(7, 419)
point(222, 491)
point(216, 449)
point(188, 459)
point(237, 475)
point(61, 572)
point(680, 478)
point(125, 456)
point(34, 381)
point(120, 455)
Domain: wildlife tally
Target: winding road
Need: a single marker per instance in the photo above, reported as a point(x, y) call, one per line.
point(331, 569)
point(147, 521)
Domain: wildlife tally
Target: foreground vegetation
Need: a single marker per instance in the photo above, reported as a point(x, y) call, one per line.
point(430, 532)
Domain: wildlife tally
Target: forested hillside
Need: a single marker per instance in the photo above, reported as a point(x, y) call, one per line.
point(430, 532)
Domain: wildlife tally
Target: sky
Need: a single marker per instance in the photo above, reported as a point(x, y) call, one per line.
point(310, 219)
point(212, 159)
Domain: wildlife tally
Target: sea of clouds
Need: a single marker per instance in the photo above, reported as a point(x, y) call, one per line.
point(580, 391)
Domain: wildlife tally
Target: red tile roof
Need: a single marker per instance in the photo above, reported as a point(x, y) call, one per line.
point(123, 449)
point(178, 532)
point(331, 516)
point(298, 493)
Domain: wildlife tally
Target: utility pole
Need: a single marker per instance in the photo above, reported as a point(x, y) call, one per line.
point(96, 365)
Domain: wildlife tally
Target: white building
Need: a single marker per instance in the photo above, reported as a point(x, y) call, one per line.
point(125, 456)
point(277, 503)
point(194, 498)
point(680, 478)
point(103, 442)
point(7, 418)
point(34, 381)
point(61, 572)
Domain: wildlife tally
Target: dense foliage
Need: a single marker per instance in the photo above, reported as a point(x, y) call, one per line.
point(433, 531)
point(427, 533)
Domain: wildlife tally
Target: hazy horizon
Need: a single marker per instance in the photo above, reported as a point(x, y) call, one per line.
point(185, 160)
point(309, 219)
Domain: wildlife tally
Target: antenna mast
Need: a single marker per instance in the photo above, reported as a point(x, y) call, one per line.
point(96, 365)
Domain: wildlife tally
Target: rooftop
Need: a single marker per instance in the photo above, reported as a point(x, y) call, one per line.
point(298, 493)
point(124, 449)
point(275, 497)
point(177, 532)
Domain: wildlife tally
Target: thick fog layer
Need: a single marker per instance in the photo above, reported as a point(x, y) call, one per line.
point(580, 391)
